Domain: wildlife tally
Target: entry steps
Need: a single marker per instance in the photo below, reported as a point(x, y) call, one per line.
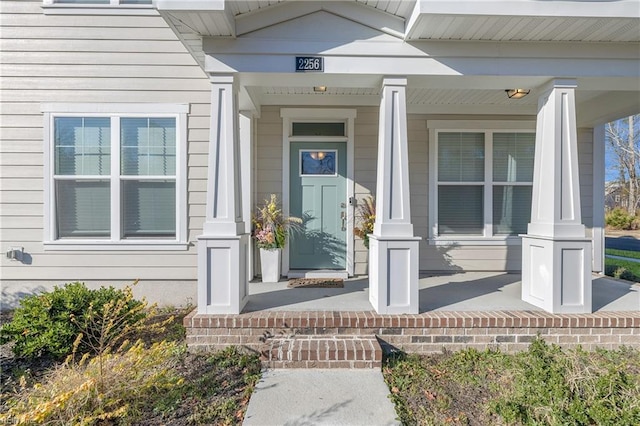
point(312, 351)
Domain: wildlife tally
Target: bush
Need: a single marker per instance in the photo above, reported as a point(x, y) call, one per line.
point(95, 391)
point(48, 324)
point(619, 219)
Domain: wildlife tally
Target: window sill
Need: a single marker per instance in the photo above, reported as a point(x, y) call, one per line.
point(100, 9)
point(475, 240)
point(94, 245)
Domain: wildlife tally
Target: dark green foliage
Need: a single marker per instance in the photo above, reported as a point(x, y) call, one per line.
point(47, 324)
point(622, 269)
point(619, 219)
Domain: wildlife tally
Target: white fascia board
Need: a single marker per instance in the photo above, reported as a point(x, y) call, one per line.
point(496, 66)
point(435, 49)
point(576, 9)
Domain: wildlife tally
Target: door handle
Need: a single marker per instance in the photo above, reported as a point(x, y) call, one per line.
point(343, 216)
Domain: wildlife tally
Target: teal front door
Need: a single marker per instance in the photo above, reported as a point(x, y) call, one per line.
point(318, 197)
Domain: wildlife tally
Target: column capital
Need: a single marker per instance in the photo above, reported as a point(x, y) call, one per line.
point(223, 78)
point(560, 83)
point(394, 80)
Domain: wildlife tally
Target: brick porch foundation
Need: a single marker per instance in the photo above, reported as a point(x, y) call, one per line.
point(329, 339)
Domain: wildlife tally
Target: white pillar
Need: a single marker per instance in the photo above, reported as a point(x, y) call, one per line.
point(556, 255)
point(247, 147)
point(393, 249)
point(598, 198)
point(222, 247)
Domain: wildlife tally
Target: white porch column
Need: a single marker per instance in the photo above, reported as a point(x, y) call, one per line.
point(556, 255)
point(247, 130)
point(598, 198)
point(222, 247)
point(393, 249)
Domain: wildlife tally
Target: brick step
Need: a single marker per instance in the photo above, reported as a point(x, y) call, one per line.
point(322, 352)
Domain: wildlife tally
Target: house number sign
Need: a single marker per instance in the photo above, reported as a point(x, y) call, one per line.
point(309, 64)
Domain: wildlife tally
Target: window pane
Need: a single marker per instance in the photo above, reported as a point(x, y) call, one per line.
point(149, 208)
point(82, 146)
point(318, 163)
point(82, 208)
point(148, 146)
point(461, 157)
point(318, 129)
point(513, 155)
point(83, 1)
point(460, 210)
point(511, 209)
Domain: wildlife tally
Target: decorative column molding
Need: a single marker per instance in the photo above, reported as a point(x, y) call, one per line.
point(393, 249)
point(223, 246)
point(555, 207)
point(556, 255)
point(224, 202)
point(393, 210)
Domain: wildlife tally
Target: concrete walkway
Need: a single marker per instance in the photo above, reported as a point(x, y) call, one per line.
point(321, 397)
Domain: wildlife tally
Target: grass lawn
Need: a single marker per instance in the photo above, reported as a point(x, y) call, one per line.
point(623, 253)
point(543, 386)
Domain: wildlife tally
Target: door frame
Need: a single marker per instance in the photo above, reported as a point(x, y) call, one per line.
point(325, 115)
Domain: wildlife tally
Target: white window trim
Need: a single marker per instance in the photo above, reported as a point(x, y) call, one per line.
point(179, 111)
point(298, 115)
point(488, 127)
point(52, 7)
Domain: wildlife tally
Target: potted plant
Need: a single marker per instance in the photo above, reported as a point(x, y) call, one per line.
point(365, 217)
point(270, 229)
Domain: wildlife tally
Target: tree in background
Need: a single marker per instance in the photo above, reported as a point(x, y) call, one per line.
point(623, 145)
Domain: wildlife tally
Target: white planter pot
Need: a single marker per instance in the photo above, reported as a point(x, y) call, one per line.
point(270, 265)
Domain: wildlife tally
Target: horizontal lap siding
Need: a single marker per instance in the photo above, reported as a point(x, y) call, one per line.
point(57, 58)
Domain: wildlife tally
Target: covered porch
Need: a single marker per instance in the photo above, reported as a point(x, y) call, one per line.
point(452, 292)
point(416, 84)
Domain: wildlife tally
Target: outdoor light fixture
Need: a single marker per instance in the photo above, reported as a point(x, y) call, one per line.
point(319, 88)
point(517, 93)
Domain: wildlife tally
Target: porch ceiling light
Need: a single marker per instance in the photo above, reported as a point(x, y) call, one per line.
point(319, 88)
point(517, 93)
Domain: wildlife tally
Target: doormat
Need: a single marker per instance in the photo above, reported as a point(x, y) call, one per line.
point(316, 283)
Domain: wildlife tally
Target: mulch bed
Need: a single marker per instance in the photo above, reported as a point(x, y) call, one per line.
point(316, 283)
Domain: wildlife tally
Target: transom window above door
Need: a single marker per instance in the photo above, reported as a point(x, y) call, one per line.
point(482, 183)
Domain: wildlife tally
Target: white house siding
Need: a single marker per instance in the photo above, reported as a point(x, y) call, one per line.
point(93, 59)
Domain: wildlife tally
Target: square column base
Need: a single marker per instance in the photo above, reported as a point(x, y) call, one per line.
point(393, 275)
point(222, 274)
point(556, 274)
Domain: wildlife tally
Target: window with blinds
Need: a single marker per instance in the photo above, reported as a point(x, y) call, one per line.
point(483, 169)
point(102, 174)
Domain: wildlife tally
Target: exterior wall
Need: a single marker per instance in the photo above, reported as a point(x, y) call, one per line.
point(101, 59)
point(433, 258)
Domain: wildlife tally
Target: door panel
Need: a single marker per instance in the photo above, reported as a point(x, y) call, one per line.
point(318, 196)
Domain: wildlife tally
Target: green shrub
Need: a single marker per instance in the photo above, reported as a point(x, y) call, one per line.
point(619, 219)
point(46, 325)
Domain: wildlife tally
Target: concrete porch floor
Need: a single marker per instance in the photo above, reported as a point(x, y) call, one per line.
point(468, 291)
